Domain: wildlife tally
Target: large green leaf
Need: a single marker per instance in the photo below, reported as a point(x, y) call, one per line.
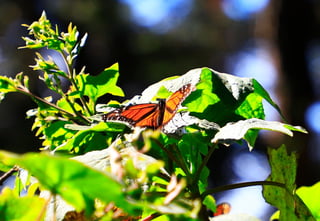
point(283, 170)
point(310, 195)
point(192, 148)
point(15, 208)
point(76, 183)
point(223, 98)
point(96, 137)
point(96, 86)
point(203, 97)
point(56, 134)
point(258, 89)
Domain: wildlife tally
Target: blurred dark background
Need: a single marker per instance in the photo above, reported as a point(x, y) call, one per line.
point(275, 41)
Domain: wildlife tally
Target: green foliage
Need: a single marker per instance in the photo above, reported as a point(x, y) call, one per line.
point(283, 170)
point(241, 129)
point(309, 197)
point(14, 207)
point(70, 179)
point(109, 171)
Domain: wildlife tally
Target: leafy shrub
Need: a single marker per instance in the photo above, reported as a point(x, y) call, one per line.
point(96, 170)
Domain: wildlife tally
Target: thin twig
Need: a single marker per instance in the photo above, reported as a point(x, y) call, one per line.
point(151, 217)
point(44, 208)
point(28, 93)
point(33, 96)
point(71, 78)
point(6, 175)
point(241, 185)
point(173, 158)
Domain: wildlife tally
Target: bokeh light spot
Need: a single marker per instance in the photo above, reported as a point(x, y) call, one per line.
point(313, 61)
point(251, 166)
point(247, 166)
point(158, 15)
point(243, 9)
point(312, 116)
point(256, 62)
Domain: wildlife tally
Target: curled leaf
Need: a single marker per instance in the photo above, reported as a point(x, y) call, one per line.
point(238, 130)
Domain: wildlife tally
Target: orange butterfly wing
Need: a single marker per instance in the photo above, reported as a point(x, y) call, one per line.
point(174, 101)
point(142, 115)
point(151, 115)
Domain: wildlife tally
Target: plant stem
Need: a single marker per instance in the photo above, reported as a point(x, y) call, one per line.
point(6, 175)
point(71, 78)
point(151, 217)
point(182, 163)
point(203, 164)
point(241, 185)
point(33, 96)
point(44, 208)
point(179, 160)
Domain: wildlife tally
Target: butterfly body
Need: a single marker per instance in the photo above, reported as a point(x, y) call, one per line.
point(150, 115)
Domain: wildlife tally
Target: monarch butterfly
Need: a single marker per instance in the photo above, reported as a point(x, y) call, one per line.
point(151, 115)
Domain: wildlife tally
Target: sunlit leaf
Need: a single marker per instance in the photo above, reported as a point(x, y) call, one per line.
point(7, 84)
point(95, 138)
point(251, 107)
point(210, 203)
point(234, 217)
point(71, 180)
point(96, 86)
point(64, 104)
point(238, 130)
point(204, 96)
point(309, 195)
point(56, 134)
point(15, 208)
point(4, 167)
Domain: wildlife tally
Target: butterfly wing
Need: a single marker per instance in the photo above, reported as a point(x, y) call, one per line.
point(153, 119)
point(140, 115)
point(152, 115)
point(174, 101)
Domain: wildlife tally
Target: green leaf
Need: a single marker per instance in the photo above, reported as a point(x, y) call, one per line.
point(283, 170)
point(224, 98)
point(96, 86)
point(251, 107)
point(95, 138)
point(258, 89)
point(7, 85)
point(4, 167)
point(15, 208)
point(210, 203)
point(191, 146)
point(64, 104)
point(232, 92)
point(56, 134)
point(203, 97)
point(309, 195)
point(77, 184)
point(44, 35)
point(239, 130)
point(49, 66)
